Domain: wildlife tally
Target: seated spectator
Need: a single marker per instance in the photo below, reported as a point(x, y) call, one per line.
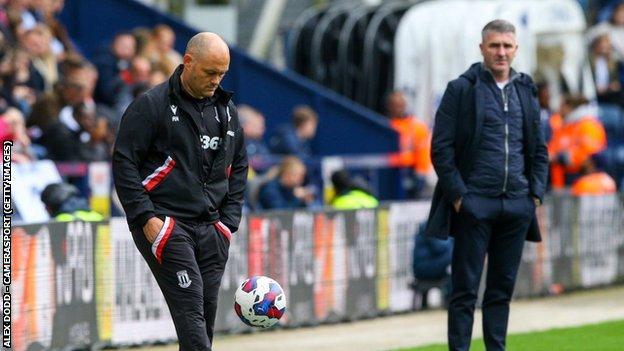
point(140, 70)
point(46, 11)
point(255, 183)
point(95, 136)
point(605, 70)
point(64, 203)
point(37, 41)
point(145, 44)
point(543, 97)
point(138, 81)
point(13, 128)
point(253, 125)
point(614, 28)
point(414, 144)
point(294, 139)
point(6, 31)
point(164, 40)
point(21, 82)
point(113, 66)
point(52, 122)
point(80, 67)
point(157, 77)
point(580, 136)
point(286, 190)
point(350, 194)
point(594, 181)
point(21, 16)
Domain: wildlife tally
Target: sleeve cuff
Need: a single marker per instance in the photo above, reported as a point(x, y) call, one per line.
point(231, 227)
point(141, 219)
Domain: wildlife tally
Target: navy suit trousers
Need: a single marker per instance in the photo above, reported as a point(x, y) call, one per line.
point(495, 227)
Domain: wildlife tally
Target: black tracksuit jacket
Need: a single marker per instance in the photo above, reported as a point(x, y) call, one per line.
point(158, 163)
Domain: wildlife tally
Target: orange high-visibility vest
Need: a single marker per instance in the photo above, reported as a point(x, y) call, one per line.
point(594, 184)
point(414, 144)
point(580, 139)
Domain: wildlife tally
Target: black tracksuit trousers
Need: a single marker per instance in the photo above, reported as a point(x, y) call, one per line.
point(188, 259)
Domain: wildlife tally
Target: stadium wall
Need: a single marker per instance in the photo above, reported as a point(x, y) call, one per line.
point(78, 284)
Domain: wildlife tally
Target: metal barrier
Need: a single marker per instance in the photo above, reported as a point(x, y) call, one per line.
point(78, 284)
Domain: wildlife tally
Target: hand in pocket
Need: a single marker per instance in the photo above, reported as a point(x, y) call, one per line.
point(152, 227)
point(457, 205)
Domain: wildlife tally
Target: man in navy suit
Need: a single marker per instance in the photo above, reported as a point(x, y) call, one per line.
point(489, 153)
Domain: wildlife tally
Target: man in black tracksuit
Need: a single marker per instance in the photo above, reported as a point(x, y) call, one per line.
point(180, 169)
point(489, 153)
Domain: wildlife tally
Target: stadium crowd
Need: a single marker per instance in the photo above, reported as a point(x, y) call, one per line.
point(56, 104)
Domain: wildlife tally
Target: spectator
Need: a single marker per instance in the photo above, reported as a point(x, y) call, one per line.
point(12, 127)
point(605, 70)
point(113, 66)
point(580, 136)
point(64, 203)
point(46, 11)
point(21, 82)
point(89, 72)
point(543, 97)
point(95, 136)
point(253, 125)
point(164, 40)
point(6, 29)
point(594, 181)
point(156, 77)
point(145, 45)
point(138, 82)
point(286, 191)
point(21, 17)
point(52, 122)
point(350, 194)
point(140, 70)
point(37, 42)
point(295, 139)
point(414, 144)
point(615, 30)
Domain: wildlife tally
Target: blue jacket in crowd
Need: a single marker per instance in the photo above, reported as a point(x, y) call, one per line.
point(256, 147)
point(274, 196)
point(286, 142)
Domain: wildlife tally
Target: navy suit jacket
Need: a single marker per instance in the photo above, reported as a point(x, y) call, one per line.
point(456, 137)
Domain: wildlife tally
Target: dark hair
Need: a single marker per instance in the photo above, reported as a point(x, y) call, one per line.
point(341, 181)
point(302, 114)
point(541, 85)
point(72, 63)
point(595, 41)
point(575, 101)
point(54, 195)
point(616, 7)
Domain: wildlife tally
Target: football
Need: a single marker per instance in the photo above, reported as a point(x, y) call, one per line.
point(260, 302)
